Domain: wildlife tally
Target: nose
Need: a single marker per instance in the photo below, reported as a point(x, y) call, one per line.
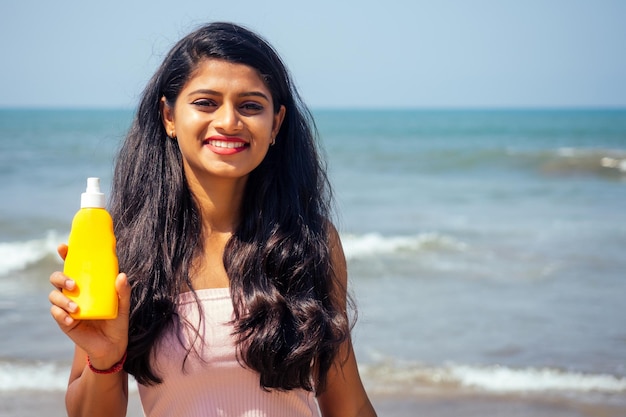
point(226, 119)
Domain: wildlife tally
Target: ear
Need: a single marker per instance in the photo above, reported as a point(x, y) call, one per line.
point(167, 116)
point(278, 120)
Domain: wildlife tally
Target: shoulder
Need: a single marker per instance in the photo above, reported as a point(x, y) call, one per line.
point(334, 239)
point(335, 247)
point(337, 258)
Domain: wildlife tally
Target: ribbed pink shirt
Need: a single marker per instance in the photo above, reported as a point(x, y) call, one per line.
point(212, 382)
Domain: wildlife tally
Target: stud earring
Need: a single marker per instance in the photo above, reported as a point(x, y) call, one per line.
point(273, 142)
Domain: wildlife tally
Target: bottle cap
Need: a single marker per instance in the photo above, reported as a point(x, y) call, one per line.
point(92, 197)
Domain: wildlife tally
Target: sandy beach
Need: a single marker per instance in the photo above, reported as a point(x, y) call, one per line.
point(37, 404)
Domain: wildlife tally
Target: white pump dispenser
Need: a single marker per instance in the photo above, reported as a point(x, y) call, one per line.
point(92, 197)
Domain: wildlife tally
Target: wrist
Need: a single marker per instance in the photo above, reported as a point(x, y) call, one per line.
point(115, 368)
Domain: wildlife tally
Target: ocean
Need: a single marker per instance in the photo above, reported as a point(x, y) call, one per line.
point(486, 248)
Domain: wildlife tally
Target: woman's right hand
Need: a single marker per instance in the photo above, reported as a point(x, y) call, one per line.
point(105, 341)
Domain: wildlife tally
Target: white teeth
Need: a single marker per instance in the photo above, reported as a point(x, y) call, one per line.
point(225, 144)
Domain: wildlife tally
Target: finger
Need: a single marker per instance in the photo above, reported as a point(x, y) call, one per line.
point(61, 281)
point(58, 299)
point(123, 290)
point(62, 250)
point(63, 319)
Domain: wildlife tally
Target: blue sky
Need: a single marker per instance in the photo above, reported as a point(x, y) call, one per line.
point(411, 53)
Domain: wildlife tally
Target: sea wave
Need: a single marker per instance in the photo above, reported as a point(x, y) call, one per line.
point(371, 244)
point(36, 376)
point(598, 162)
point(380, 379)
point(412, 378)
point(16, 256)
point(593, 161)
point(608, 163)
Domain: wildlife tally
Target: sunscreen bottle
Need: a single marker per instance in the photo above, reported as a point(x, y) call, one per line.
point(91, 260)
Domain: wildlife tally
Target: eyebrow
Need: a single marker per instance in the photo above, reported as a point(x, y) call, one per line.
point(217, 93)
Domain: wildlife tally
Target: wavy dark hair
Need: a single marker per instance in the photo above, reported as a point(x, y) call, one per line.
point(289, 316)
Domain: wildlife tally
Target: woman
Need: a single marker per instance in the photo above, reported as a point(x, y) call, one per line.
point(233, 296)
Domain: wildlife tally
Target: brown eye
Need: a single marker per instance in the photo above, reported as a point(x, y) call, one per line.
point(251, 107)
point(203, 102)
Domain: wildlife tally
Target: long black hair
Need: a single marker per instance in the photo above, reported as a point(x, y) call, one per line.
point(289, 317)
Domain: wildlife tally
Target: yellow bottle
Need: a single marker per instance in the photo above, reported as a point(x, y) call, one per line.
point(91, 260)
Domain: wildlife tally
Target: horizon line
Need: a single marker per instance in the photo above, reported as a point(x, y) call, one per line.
point(348, 108)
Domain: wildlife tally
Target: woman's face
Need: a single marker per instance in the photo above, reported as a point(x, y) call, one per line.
point(223, 120)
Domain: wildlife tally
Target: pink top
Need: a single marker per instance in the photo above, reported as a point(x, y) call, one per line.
point(212, 382)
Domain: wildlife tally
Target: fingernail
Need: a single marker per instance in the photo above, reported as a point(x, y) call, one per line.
point(71, 306)
point(68, 320)
point(69, 284)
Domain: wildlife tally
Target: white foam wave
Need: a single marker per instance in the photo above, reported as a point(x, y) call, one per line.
point(360, 246)
point(37, 376)
point(33, 376)
point(600, 161)
point(15, 256)
point(494, 379)
point(381, 378)
point(608, 162)
point(503, 379)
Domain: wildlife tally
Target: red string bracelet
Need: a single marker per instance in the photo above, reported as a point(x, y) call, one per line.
point(112, 370)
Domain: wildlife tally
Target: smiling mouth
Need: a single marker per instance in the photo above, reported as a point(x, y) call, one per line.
point(226, 144)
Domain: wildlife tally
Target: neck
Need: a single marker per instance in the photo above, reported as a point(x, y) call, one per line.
point(219, 200)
